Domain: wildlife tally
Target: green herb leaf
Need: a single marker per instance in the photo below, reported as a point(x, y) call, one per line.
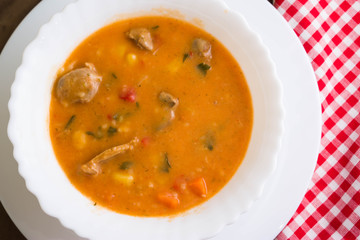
point(203, 67)
point(121, 116)
point(71, 120)
point(126, 165)
point(97, 136)
point(91, 134)
point(111, 131)
point(166, 164)
point(114, 75)
point(186, 55)
point(155, 27)
point(137, 105)
point(116, 116)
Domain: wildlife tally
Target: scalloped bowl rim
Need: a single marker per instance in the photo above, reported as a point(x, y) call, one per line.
point(45, 178)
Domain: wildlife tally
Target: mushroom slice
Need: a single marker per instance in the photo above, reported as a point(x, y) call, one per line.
point(202, 47)
point(142, 37)
point(169, 100)
point(79, 85)
point(93, 167)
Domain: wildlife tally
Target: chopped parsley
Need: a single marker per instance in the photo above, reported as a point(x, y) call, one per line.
point(111, 131)
point(203, 67)
point(186, 55)
point(126, 165)
point(166, 164)
point(71, 120)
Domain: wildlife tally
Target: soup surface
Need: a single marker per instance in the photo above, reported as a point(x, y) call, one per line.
point(150, 116)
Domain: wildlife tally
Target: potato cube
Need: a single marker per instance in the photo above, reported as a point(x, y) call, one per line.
point(124, 178)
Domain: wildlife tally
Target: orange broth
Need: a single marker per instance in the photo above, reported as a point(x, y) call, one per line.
point(174, 167)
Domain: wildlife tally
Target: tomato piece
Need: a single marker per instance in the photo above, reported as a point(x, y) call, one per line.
point(169, 199)
point(145, 141)
point(128, 94)
point(198, 186)
point(180, 184)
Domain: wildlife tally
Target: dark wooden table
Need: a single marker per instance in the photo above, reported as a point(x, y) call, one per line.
point(12, 12)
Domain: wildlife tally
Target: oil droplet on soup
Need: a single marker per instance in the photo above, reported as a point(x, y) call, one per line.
point(150, 116)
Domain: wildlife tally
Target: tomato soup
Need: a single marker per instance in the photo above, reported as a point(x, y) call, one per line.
point(150, 116)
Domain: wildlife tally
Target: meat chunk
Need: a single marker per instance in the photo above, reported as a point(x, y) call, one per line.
point(142, 38)
point(170, 103)
point(93, 167)
point(79, 85)
point(168, 100)
point(202, 47)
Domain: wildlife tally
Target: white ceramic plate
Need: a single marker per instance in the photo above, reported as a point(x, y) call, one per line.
point(295, 166)
point(30, 101)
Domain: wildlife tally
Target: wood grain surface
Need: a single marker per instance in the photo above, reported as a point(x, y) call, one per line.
point(12, 12)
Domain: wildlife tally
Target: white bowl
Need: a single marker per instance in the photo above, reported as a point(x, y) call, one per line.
point(28, 127)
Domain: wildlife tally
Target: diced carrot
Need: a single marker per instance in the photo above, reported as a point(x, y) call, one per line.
point(198, 186)
point(169, 199)
point(180, 184)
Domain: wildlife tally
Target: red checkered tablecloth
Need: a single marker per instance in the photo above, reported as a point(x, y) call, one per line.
point(330, 33)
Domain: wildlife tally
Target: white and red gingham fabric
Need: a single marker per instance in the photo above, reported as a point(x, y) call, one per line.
point(330, 33)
